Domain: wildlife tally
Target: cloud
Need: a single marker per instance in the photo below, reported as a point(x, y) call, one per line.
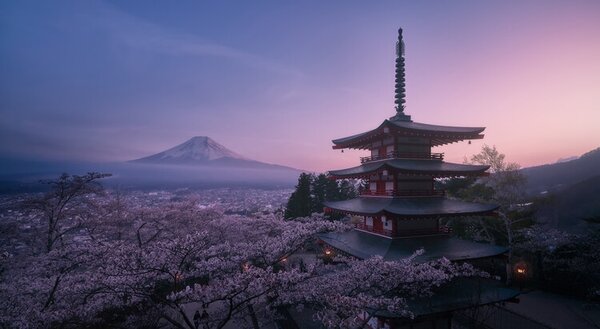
point(138, 33)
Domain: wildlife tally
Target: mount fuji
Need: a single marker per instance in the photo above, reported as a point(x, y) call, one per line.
point(200, 162)
point(204, 151)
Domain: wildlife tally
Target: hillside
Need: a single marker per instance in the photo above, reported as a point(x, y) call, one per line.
point(557, 176)
point(572, 207)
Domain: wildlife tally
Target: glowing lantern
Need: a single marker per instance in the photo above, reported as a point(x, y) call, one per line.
point(521, 269)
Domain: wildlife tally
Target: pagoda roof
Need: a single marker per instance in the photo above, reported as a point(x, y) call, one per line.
point(439, 135)
point(410, 206)
point(460, 293)
point(364, 245)
point(412, 166)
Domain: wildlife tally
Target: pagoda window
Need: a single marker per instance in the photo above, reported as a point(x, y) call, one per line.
point(388, 141)
point(389, 186)
point(369, 221)
point(374, 152)
point(373, 186)
point(389, 149)
point(376, 144)
point(387, 223)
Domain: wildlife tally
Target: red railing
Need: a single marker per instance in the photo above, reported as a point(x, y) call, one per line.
point(404, 233)
point(363, 227)
point(406, 155)
point(404, 193)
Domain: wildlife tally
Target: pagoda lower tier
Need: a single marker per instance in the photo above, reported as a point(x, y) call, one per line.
point(431, 168)
point(459, 294)
point(409, 207)
point(364, 245)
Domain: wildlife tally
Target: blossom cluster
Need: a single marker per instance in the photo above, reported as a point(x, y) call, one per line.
point(180, 265)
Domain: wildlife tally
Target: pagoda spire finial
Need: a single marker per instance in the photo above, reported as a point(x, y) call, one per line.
point(400, 81)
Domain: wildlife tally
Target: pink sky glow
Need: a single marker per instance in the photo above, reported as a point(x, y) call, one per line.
point(276, 82)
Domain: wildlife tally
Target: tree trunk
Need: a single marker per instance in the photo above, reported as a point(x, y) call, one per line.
point(253, 317)
point(50, 237)
point(509, 235)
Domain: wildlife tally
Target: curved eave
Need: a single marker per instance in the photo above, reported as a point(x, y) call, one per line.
point(356, 141)
point(439, 135)
point(430, 168)
point(411, 207)
point(364, 245)
point(459, 294)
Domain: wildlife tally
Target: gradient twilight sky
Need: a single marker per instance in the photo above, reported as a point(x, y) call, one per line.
point(277, 80)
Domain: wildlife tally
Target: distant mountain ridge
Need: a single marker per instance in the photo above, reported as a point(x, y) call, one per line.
point(206, 152)
point(559, 175)
point(566, 194)
point(572, 205)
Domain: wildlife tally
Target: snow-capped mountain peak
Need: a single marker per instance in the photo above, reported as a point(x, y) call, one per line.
point(199, 148)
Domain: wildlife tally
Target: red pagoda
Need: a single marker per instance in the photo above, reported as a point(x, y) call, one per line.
point(401, 211)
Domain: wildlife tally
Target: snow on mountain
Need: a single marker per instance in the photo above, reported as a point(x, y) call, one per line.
point(204, 151)
point(196, 149)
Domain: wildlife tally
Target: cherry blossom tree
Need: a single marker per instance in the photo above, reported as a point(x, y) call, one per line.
point(181, 266)
point(63, 206)
point(560, 261)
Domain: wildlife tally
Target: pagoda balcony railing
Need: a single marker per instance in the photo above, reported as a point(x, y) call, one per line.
point(403, 233)
point(406, 155)
point(367, 228)
point(404, 193)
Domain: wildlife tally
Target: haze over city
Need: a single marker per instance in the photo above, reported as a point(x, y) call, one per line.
point(114, 81)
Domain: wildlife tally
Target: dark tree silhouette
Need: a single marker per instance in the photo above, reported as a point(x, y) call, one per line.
point(300, 202)
point(64, 203)
point(312, 191)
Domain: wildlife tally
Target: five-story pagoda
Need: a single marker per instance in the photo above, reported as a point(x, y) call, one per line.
point(401, 210)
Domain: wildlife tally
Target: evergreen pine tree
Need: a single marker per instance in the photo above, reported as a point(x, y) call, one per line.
point(312, 192)
point(319, 192)
point(300, 202)
point(332, 191)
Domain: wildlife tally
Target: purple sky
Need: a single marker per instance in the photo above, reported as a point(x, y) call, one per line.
point(277, 80)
